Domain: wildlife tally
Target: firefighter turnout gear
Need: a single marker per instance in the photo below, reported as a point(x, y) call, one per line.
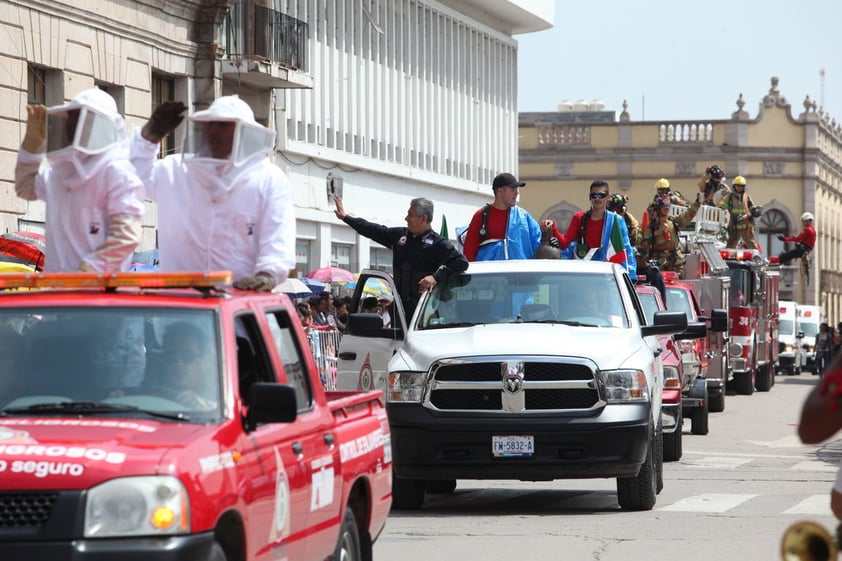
point(661, 238)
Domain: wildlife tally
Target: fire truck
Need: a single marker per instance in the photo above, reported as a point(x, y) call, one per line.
point(745, 283)
point(754, 315)
point(706, 275)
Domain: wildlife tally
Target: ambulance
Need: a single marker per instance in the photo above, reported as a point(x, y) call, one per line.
point(809, 318)
point(789, 339)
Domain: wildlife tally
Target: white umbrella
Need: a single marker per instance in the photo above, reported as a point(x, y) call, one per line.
point(293, 288)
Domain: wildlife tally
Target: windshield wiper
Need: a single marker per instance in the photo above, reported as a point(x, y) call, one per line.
point(87, 408)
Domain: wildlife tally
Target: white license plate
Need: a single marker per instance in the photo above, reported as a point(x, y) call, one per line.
point(502, 446)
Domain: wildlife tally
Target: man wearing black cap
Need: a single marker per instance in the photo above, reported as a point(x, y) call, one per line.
point(502, 230)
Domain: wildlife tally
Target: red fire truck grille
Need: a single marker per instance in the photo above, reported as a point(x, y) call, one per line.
point(25, 510)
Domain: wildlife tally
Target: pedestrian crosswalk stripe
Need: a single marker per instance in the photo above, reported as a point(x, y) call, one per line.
point(815, 465)
point(715, 462)
point(814, 505)
point(709, 502)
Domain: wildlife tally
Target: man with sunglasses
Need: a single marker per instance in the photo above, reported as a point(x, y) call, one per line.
point(501, 229)
point(93, 197)
point(598, 234)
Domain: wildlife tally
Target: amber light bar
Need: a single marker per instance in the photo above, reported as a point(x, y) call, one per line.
point(189, 279)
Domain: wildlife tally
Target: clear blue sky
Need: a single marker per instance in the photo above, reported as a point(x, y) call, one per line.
point(676, 60)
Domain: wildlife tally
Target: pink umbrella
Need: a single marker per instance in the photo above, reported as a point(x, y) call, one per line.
point(330, 274)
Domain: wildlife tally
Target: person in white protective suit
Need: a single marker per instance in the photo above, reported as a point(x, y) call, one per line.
point(94, 199)
point(222, 204)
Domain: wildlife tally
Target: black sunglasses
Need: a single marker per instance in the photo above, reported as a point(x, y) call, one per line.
point(598, 195)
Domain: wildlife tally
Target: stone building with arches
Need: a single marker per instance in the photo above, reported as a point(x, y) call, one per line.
point(791, 158)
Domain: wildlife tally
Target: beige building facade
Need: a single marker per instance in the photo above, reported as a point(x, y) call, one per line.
point(791, 157)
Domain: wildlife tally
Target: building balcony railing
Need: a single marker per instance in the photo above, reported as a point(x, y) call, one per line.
point(264, 48)
point(685, 133)
point(564, 134)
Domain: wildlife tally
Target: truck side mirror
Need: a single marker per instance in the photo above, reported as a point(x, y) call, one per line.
point(719, 320)
point(270, 403)
point(695, 330)
point(366, 324)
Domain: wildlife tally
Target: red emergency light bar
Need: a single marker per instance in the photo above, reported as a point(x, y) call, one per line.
point(669, 276)
point(737, 254)
point(774, 259)
point(114, 280)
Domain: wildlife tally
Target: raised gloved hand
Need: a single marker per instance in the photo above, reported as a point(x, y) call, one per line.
point(756, 211)
point(34, 141)
point(781, 237)
point(261, 282)
point(163, 121)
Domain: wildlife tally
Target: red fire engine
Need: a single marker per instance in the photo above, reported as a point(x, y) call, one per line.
point(706, 276)
point(753, 312)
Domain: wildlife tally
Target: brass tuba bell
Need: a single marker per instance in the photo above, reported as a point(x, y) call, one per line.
point(808, 541)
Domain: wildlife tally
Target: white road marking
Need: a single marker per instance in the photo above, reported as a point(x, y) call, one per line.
point(814, 505)
point(814, 465)
point(709, 502)
point(792, 441)
point(715, 462)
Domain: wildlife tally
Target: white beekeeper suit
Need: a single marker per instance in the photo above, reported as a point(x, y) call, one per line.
point(94, 199)
point(231, 214)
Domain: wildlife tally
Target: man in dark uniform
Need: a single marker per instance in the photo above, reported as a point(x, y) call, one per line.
point(421, 258)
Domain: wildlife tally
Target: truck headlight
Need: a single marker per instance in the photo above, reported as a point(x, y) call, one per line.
point(137, 506)
point(406, 387)
point(625, 386)
point(735, 349)
point(671, 379)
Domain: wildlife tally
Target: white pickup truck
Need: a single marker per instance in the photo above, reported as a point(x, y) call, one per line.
point(529, 370)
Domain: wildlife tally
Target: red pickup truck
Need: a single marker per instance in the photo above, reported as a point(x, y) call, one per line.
point(170, 417)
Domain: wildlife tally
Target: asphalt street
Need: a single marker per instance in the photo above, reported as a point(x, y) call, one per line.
point(730, 497)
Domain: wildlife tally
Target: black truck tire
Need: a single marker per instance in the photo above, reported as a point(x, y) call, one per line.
point(716, 401)
point(638, 493)
point(407, 494)
point(699, 421)
point(673, 442)
point(348, 546)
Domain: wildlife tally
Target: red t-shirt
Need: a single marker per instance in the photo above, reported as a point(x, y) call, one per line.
point(593, 231)
point(496, 226)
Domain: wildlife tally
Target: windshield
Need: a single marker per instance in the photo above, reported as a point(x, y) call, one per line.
point(809, 329)
point(786, 327)
point(102, 360)
point(650, 306)
point(740, 287)
point(591, 299)
point(679, 300)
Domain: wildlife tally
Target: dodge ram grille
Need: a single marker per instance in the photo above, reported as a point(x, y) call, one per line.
point(513, 386)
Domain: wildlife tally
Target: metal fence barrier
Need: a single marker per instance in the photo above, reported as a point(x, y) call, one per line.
point(325, 347)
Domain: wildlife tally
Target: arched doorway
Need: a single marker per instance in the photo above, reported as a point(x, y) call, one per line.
point(770, 225)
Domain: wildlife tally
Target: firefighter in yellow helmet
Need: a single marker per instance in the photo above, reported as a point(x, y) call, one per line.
point(743, 212)
point(662, 186)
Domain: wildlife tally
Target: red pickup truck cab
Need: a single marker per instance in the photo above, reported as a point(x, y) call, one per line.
point(170, 417)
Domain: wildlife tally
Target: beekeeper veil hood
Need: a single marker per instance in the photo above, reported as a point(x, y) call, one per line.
point(223, 142)
point(227, 133)
point(84, 135)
